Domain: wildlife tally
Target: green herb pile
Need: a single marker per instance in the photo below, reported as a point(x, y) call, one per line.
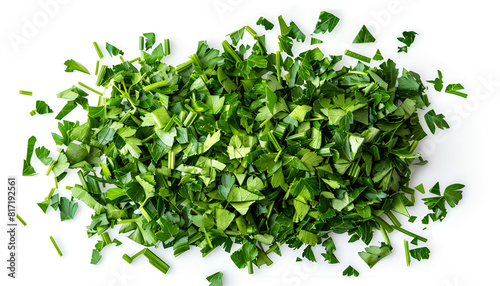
point(247, 149)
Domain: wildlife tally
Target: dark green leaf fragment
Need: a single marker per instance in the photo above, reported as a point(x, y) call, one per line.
point(266, 23)
point(364, 36)
point(407, 39)
point(326, 23)
point(350, 271)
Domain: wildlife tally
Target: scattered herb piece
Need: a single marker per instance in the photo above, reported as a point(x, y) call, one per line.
point(315, 41)
point(265, 23)
point(374, 254)
point(378, 56)
point(56, 246)
point(350, 271)
point(41, 108)
point(407, 39)
point(326, 23)
point(357, 56)
point(454, 89)
point(98, 50)
point(407, 253)
point(20, 220)
point(434, 120)
point(438, 82)
point(364, 36)
point(67, 208)
point(96, 257)
point(28, 170)
point(153, 260)
point(26, 92)
point(112, 50)
point(215, 279)
point(420, 253)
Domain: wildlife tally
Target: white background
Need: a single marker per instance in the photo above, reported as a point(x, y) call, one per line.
point(458, 37)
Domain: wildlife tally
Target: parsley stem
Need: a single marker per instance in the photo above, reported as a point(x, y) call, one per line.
point(126, 221)
point(166, 44)
point(145, 213)
point(314, 119)
point(98, 50)
point(407, 252)
point(101, 74)
point(26, 92)
point(228, 49)
point(97, 67)
point(393, 218)
point(89, 88)
point(357, 56)
point(155, 85)
point(265, 121)
point(50, 194)
point(20, 219)
point(384, 234)
point(209, 241)
point(274, 141)
point(190, 119)
point(251, 31)
point(409, 233)
point(278, 66)
point(171, 160)
point(232, 232)
point(51, 167)
point(135, 60)
point(55, 246)
point(250, 267)
point(105, 238)
point(156, 261)
point(182, 67)
point(141, 43)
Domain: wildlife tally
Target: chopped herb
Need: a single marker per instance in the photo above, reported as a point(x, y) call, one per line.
point(238, 146)
point(112, 50)
point(72, 65)
point(364, 36)
point(357, 56)
point(56, 246)
point(315, 41)
point(266, 23)
point(96, 257)
point(28, 170)
point(420, 253)
point(326, 23)
point(350, 271)
point(215, 279)
point(454, 89)
point(378, 56)
point(407, 39)
point(98, 50)
point(407, 252)
point(438, 82)
point(41, 108)
point(434, 120)
point(25, 92)
point(20, 219)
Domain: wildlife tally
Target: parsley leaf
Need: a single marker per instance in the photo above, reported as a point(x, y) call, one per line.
point(407, 39)
point(364, 36)
point(326, 23)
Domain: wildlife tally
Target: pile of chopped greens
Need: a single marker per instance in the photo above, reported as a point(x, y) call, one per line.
point(247, 149)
